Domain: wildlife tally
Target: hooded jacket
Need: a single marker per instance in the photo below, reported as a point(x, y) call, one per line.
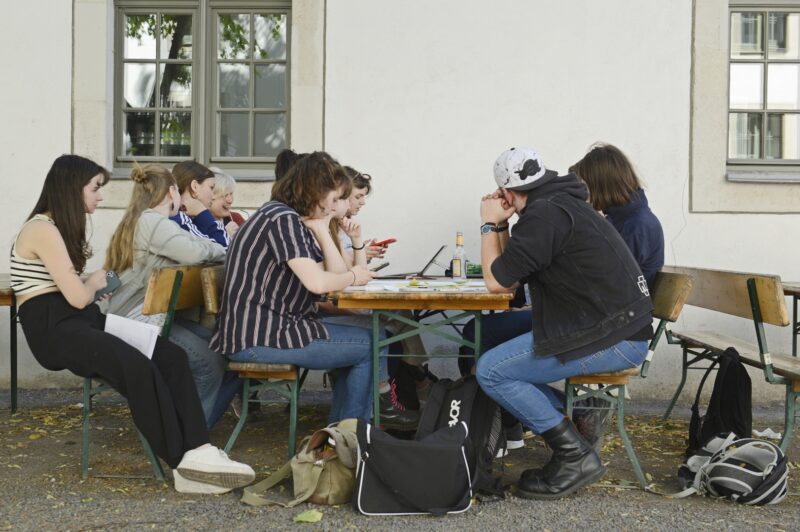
point(587, 290)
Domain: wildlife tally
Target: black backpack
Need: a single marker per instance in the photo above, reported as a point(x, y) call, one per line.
point(729, 411)
point(451, 402)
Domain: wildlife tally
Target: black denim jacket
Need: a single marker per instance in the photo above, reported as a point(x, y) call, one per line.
point(587, 290)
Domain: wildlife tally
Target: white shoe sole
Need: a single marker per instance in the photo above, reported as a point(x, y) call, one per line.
point(206, 474)
point(183, 485)
point(514, 444)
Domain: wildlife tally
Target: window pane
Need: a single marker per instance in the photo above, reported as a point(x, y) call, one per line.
point(138, 133)
point(783, 136)
point(234, 85)
point(744, 136)
point(176, 134)
point(233, 136)
point(270, 37)
point(747, 35)
point(233, 33)
point(176, 37)
point(270, 134)
point(139, 83)
point(783, 89)
point(270, 86)
point(747, 87)
point(140, 40)
point(176, 85)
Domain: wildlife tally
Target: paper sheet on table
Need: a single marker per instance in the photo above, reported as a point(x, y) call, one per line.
point(138, 334)
point(434, 285)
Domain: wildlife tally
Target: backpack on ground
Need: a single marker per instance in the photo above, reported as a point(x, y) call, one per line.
point(323, 471)
point(729, 411)
point(451, 402)
point(404, 477)
point(744, 470)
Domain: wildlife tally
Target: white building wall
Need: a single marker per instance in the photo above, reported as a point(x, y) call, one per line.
point(424, 96)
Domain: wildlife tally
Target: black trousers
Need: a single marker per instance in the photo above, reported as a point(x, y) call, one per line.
point(161, 392)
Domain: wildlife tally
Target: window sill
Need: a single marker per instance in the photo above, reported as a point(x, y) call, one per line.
point(741, 175)
point(239, 174)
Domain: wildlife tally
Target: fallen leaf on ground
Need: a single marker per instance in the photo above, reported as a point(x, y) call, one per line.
point(309, 516)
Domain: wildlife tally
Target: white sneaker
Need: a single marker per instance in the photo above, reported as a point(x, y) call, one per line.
point(183, 485)
point(210, 465)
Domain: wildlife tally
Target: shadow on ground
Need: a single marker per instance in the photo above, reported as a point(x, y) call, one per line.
point(42, 488)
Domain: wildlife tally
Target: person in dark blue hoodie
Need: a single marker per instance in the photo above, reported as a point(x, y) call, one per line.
point(591, 309)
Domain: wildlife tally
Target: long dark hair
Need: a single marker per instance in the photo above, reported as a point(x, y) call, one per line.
point(62, 199)
point(187, 171)
point(609, 175)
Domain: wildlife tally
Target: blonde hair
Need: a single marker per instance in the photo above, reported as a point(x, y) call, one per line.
point(150, 186)
point(223, 183)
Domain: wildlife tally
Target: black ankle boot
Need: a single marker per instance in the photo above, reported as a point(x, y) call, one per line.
point(574, 464)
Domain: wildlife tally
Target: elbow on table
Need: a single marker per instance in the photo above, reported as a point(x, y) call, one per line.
point(496, 288)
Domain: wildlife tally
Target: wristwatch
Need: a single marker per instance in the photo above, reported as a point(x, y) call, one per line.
point(493, 227)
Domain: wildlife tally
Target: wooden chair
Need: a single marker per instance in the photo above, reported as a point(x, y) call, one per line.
point(168, 290)
point(760, 299)
point(669, 293)
point(282, 378)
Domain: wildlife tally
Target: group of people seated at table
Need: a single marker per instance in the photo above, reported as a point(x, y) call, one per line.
point(585, 247)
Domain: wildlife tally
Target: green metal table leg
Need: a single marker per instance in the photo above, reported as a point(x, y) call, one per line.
point(684, 366)
point(87, 410)
point(294, 390)
point(157, 471)
point(637, 469)
point(789, 413)
point(795, 328)
point(376, 353)
point(242, 417)
point(13, 339)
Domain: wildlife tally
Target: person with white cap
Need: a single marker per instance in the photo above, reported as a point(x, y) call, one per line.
point(591, 310)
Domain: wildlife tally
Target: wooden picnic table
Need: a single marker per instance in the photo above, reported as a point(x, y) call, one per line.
point(388, 303)
point(7, 299)
point(793, 289)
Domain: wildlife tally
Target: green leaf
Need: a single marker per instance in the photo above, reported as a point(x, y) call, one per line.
point(309, 516)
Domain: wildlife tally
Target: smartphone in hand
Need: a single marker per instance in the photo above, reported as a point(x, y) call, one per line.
point(112, 283)
point(384, 243)
point(379, 267)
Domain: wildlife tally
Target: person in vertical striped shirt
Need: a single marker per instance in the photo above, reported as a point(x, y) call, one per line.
point(280, 263)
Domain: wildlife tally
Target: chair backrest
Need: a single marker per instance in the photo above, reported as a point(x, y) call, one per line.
point(212, 278)
point(727, 292)
point(670, 291)
point(162, 283)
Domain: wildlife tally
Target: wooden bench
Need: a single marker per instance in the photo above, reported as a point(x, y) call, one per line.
point(281, 378)
point(169, 289)
point(669, 293)
point(755, 297)
point(7, 299)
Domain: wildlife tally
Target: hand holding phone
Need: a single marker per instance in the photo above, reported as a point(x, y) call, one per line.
point(384, 243)
point(379, 267)
point(112, 283)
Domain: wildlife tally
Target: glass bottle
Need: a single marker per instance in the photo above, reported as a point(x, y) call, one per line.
point(459, 264)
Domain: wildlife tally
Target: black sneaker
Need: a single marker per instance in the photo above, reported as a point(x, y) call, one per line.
point(514, 437)
point(394, 415)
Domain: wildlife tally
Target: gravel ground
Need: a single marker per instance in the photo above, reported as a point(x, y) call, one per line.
point(41, 487)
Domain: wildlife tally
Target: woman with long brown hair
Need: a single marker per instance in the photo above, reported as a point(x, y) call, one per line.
point(146, 240)
point(65, 330)
point(196, 187)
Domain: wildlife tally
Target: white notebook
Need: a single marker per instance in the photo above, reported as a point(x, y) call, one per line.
point(138, 334)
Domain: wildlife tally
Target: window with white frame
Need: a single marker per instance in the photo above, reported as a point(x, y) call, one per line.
point(207, 80)
point(764, 87)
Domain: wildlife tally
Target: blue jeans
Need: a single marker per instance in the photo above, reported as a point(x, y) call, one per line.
point(517, 379)
point(215, 386)
point(348, 348)
point(495, 329)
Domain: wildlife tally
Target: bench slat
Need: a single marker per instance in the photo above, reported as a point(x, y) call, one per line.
point(784, 365)
point(613, 377)
point(726, 292)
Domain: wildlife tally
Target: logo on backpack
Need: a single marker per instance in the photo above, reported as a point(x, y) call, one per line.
point(455, 411)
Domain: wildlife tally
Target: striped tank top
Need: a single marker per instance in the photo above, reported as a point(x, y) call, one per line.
point(29, 275)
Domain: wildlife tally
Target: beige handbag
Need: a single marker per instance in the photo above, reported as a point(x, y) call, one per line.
point(323, 472)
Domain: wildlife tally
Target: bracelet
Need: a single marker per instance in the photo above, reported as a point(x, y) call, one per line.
point(354, 277)
point(359, 249)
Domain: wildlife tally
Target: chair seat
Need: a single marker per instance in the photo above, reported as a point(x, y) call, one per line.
point(252, 370)
point(613, 377)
